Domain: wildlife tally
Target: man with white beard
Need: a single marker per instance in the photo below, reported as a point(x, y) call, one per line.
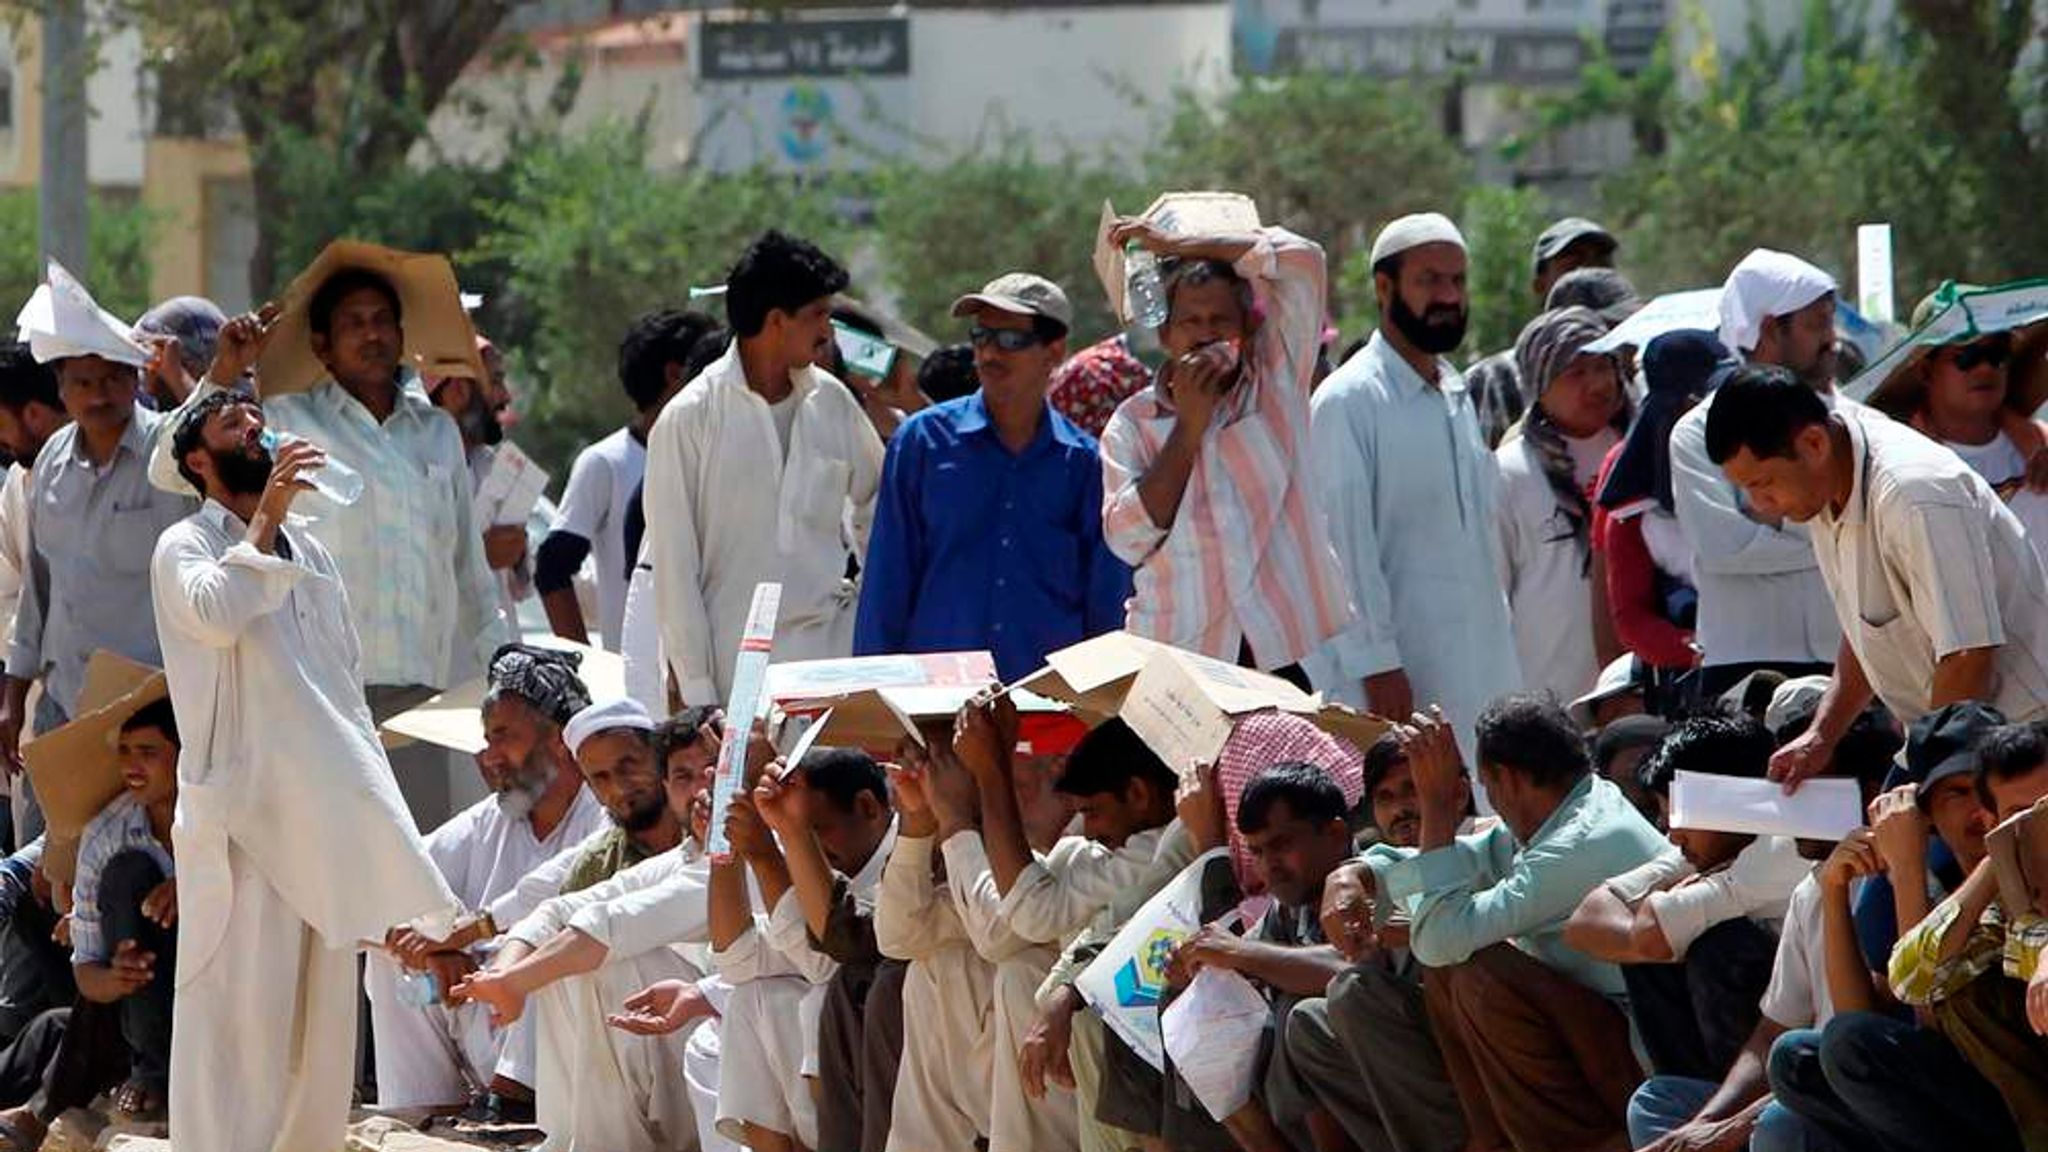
point(436, 1056)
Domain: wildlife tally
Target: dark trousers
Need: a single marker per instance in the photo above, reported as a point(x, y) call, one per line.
point(860, 1045)
point(145, 1014)
point(91, 1057)
point(1695, 1015)
point(27, 1058)
point(35, 970)
point(1291, 673)
point(1871, 1081)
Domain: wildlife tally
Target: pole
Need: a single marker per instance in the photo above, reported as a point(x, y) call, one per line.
point(63, 188)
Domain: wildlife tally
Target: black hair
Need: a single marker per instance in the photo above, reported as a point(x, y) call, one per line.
point(706, 351)
point(1763, 409)
point(1175, 273)
point(156, 714)
point(682, 729)
point(328, 297)
point(948, 373)
point(24, 382)
point(1108, 758)
point(778, 272)
point(1866, 751)
point(1307, 790)
point(1719, 744)
point(1390, 267)
point(655, 341)
point(842, 774)
point(1533, 736)
point(2006, 752)
point(190, 434)
point(1382, 757)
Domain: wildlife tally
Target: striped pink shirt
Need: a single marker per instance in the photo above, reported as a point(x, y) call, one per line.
point(1247, 559)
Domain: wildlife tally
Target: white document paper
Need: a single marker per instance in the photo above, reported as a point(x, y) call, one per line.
point(1696, 308)
point(1825, 809)
point(1212, 1032)
point(61, 319)
point(749, 683)
point(1124, 981)
point(511, 488)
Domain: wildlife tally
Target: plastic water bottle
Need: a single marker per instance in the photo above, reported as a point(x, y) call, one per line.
point(419, 989)
point(334, 480)
point(1143, 290)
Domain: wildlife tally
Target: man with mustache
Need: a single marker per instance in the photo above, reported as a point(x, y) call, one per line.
point(1410, 492)
point(292, 840)
point(1206, 490)
point(433, 1056)
point(419, 590)
point(752, 474)
point(93, 517)
point(480, 409)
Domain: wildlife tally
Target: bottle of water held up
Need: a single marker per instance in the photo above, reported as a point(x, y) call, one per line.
point(1143, 291)
point(334, 480)
point(419, 989)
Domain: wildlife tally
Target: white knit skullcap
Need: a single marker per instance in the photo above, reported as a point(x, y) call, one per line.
point(1414, 231)
point(605, 716)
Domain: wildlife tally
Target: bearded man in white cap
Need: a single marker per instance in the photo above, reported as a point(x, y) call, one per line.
point(610, 1060)
point(1409, 490)
point(1762, 602)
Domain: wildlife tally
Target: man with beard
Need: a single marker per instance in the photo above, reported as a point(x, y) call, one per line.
point(292, 841)
point(434, 1056)
point(479, 408)
point(586, 962)
point(1762, 601)
point(1410, 491)
point(755, 475)
point(419, 589)
point(1206, 492)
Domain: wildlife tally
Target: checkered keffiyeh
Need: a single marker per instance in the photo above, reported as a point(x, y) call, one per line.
point(1264, 739)
point(544, 677)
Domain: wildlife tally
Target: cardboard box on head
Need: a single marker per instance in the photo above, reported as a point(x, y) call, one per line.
point(1181, 213)
point(75, 769)
point(439, 339)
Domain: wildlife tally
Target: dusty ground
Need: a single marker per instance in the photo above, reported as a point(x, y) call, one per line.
point(82, 1131)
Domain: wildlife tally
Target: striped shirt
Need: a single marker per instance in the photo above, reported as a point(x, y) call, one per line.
point(1247, 560)
point(122, 826)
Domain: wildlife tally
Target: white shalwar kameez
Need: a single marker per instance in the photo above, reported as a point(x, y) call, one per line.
point(599, 1089)
point(731, 504)
point(293, 842)
point(768, 1031)
point(433, 1056)
point(944, 1083)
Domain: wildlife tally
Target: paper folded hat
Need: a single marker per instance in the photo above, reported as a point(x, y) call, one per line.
point(1181, 213)
point(1895, 383)
point(439, 339)
point(62, 320)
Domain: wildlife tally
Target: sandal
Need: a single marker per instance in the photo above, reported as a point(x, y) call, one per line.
point(21, 1131)
point(138, 1103)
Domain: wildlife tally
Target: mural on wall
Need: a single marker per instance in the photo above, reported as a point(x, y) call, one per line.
point(802, 95)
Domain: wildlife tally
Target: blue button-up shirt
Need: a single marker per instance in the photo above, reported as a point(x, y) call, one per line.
point(974, 547)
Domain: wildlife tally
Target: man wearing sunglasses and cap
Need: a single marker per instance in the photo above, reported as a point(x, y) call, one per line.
point(988, 527)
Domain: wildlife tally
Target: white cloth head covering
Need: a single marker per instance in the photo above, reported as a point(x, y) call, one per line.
point(1764, 285)
point(1413, 231)
point(604, 716)
point(61, 320)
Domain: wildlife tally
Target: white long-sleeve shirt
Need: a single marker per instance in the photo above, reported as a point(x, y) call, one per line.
point(657, 903)
point(279, 756)
point(1545, 570)
point(1057, 896)
point(486, 855)
point(1761, 595)
point(1410, 490)
point(728, 508)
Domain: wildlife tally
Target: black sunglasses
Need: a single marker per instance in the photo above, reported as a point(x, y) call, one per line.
point(1991, 352)
point(1008, 339)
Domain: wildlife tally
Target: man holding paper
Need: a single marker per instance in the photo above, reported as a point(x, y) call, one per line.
point(1940, 595)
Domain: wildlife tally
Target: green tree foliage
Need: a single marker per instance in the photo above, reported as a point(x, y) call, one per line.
point(1499, 225)
point(119, 251)
point(1329, 155)
point(949, 227)
point(588, 239)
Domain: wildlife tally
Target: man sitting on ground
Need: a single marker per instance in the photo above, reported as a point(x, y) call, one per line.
point(1512, 1004)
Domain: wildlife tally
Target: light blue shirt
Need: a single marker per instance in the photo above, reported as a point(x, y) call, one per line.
point(122, 826)
point(1409, 490)
point(1487, 888)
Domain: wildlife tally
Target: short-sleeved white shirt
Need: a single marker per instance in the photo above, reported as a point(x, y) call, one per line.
point(593, 506)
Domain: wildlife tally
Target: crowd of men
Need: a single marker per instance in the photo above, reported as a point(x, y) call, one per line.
point(1575, 579)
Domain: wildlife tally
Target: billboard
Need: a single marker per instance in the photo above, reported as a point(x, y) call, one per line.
point(801, 95)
